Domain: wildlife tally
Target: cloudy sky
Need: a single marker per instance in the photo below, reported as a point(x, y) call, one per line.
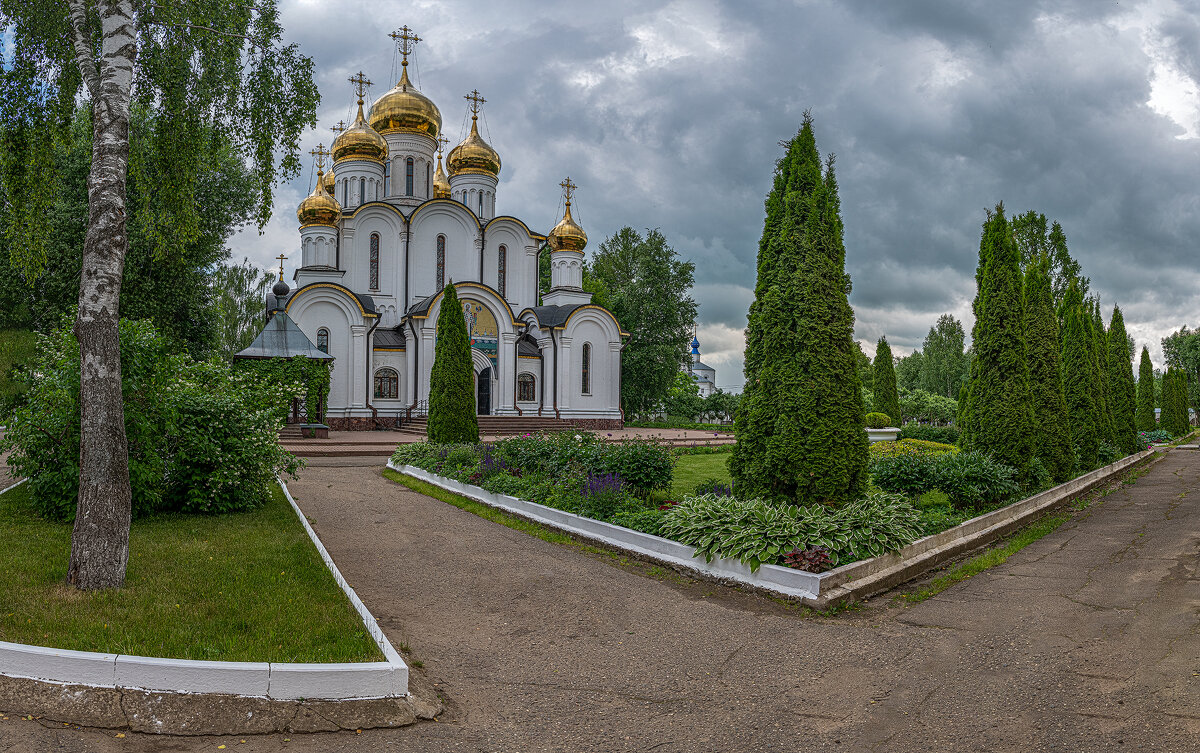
point(669, 115)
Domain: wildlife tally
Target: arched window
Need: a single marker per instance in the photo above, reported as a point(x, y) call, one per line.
point(586, 372)
point(323, 340)
point(481, 203)
point(501, 272)
point(428, 180)
point(525, 388)
point(441, 262)
point(408, 177)
point(387, 174)
point(387, 384)
point(374, 261)
point(362, 191)
point(345, 193)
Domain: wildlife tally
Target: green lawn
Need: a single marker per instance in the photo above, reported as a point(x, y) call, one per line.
point(240, 587)
point(690, 470)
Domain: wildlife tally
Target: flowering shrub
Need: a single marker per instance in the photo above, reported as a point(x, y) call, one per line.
point(201, 438)
point(602, 495)
point(713, 486)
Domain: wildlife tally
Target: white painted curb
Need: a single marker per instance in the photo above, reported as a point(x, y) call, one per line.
point(280, 681)
point(781, 580)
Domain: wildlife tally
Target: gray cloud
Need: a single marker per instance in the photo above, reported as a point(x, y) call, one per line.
point(669, 115)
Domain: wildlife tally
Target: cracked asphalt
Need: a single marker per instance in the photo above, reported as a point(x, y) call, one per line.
point(1087, 640)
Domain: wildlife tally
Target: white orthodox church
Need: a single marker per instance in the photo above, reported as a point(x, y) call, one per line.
point(388, 227)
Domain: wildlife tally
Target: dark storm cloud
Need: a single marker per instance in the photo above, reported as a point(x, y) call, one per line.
point(669, 115)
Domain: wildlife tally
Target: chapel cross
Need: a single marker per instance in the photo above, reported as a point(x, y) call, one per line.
point(405, 40)
point(361, 82)
point(476, 101)
point(281, 257)
point(320, 153)
point(442, 141)
point(341, 126)
point(568, 188)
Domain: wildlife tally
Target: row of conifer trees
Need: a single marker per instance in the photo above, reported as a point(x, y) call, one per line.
point(1050, 384)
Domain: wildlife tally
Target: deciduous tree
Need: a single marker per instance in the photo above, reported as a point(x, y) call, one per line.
point(944, 359)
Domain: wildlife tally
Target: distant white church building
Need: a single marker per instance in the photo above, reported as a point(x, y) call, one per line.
point(704, 376)
point(388, 227)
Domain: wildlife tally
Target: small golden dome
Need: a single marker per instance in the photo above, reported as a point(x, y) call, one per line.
point(360, 141)
point(330, 183)
point(567, 235)
point(319, 208)
point(403, 109)
point(441, 186)
point(473, 155)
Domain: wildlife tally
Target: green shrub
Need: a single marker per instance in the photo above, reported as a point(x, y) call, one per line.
point(878, 421)
point(970, 479)
point(644, 465)
point(201, 439)
point(909, 447)
point(1108, 453)
point(646, 521)
point(930, 433)
point(908, 474)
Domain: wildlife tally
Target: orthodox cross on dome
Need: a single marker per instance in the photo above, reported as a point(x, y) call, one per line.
point(568, 189)
point(405, 39)
point(281, 257)
point(320, 153)
point(340, 127)
point(361, 82)
point(475, 101)
point(442, 141)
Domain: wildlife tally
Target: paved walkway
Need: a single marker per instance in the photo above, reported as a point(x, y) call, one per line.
point(1087, 640)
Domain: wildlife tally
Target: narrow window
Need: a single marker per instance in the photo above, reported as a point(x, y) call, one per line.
point(362, 191)
point(323, 340)
point(428, 181)
point(481, 203)
point(387, 384)
point(408, 177)
point(586, 373)
point(501, 273)
point(525, 388)
point(345, 193)
point(387, 174)
point(374, 261)
point(441, 262)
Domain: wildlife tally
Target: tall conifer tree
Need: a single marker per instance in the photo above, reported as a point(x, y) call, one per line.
point(1050, 417)
point(800, 427)
point(1001, 417)
point(1122, 393)
point(887, 400)
point(1104, 417)
point(1145, 394)
point(1174, 402)
point(452, 416)
point(1078, 376)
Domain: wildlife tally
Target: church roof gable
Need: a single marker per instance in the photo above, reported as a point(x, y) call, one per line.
point(281, 338)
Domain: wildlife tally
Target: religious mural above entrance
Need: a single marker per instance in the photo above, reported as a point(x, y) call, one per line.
point(481, 324)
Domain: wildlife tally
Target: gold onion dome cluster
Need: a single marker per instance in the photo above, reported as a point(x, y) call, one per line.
point(567, 235)
point(360, 141)
point(319, 208)
point(330, 183)
point(403, 109)
point(473, 155)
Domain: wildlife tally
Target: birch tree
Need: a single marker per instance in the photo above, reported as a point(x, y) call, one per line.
point(216, 67)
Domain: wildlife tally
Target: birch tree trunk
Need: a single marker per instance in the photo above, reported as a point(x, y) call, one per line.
point(100, 540)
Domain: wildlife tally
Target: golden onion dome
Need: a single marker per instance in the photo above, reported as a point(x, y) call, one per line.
point(360, 141)
point(330, 183)
point(403, 109)
point(319, 208)
point(441, 186)
point(567, 235)
point(473, 155)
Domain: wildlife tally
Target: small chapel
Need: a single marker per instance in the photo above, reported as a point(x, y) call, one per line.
point(387, 228)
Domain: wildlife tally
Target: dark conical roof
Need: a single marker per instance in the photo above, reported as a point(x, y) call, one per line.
point(281, 338)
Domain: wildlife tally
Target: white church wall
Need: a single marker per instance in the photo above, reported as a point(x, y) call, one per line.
point(462, 260)
point(594, 328)
point(519, 266)
point(389, 359)
point(316, 308)
point(389, 224)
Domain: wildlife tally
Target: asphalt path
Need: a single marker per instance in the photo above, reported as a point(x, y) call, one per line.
point(1087, 640)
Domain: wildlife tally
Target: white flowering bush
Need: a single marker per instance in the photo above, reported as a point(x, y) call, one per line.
point(201, 438)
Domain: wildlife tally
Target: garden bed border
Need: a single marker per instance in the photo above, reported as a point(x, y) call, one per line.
point(84, 676)
point(845, 584)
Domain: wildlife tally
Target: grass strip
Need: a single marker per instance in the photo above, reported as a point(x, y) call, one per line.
point(246, 586)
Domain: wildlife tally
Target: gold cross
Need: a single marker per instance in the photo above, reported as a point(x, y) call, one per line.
point(281, 257)
point(320, 153)
point(361, 82)
point(442, 141)
point(405, 39)
point(476, 101)
point(568, 188)
point(341, 126)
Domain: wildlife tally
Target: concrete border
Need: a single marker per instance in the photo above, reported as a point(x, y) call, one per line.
point(277, 681)
point(848, 583)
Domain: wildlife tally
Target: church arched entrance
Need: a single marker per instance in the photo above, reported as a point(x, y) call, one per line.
point(483, 392)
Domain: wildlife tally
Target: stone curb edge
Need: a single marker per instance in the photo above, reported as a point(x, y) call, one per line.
point(277, 680)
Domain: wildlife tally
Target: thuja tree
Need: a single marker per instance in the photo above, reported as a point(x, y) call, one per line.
point(1122, 393)
point(1104, 413)
point(800, 426)
point(1000, 414)
point(1145, 394)
point(1050, 418)
point(451, 395)
point(887, 399)
point(1174, 417)
point(198, 68)
point(1077, 385)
